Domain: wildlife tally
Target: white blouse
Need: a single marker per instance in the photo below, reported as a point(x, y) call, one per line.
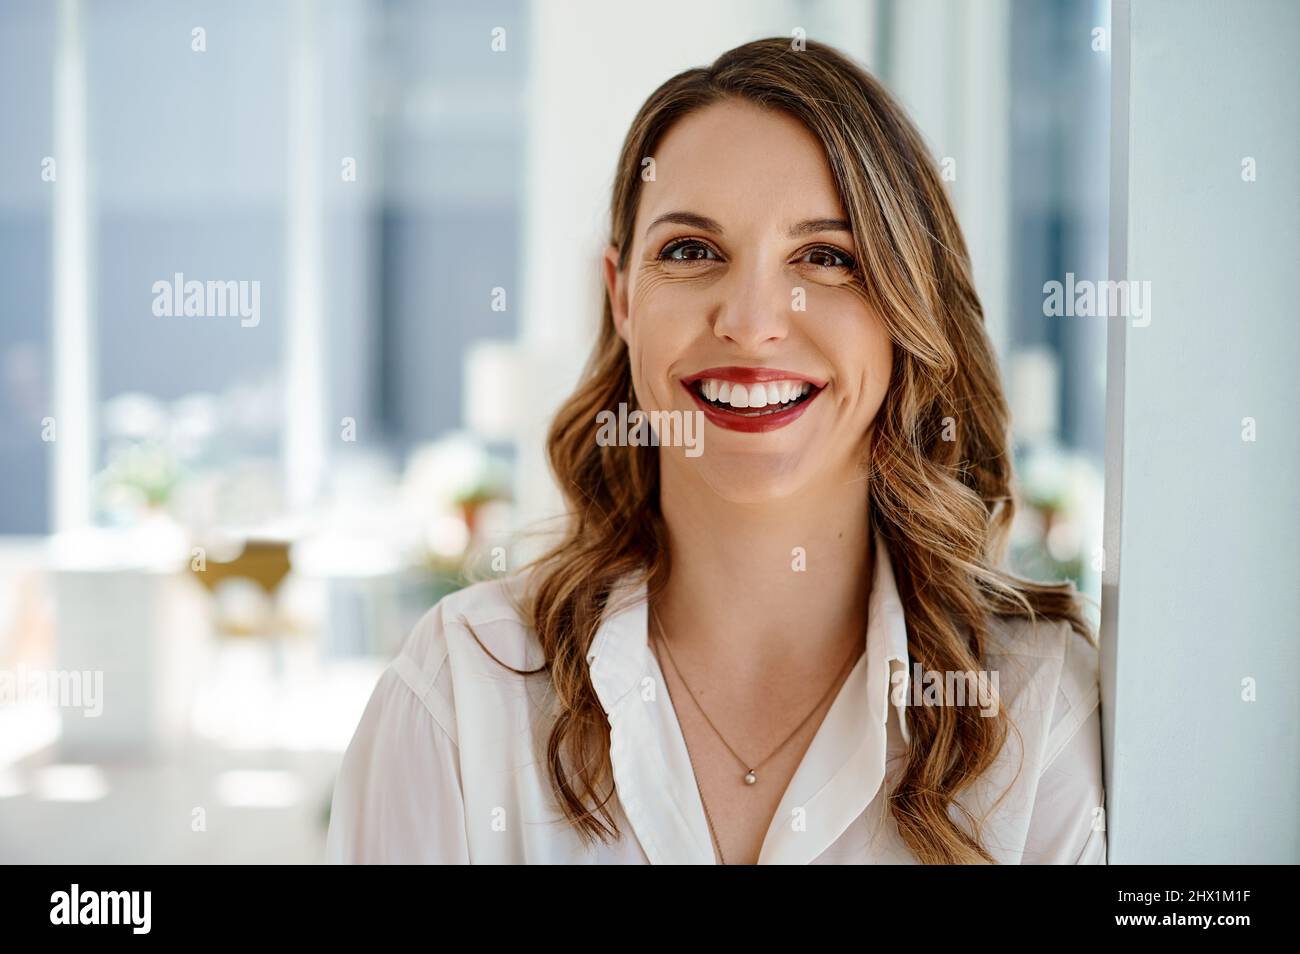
point(445, 765)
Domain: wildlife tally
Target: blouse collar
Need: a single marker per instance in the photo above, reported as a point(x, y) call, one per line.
point(840, 774)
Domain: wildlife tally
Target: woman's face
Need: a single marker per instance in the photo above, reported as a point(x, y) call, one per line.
point(736, 303)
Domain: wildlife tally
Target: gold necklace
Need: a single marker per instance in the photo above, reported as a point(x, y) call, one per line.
point(751, 773)
point(713, 832)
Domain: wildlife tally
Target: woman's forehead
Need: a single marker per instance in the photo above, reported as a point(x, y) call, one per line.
point(740, 165)
point(738, 146)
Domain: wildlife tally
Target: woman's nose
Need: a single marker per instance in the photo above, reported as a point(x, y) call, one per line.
point(755, 309)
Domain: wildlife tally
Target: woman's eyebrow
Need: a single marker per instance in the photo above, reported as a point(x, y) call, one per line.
point(820, 225)
point(706, 224)
point(691, 219)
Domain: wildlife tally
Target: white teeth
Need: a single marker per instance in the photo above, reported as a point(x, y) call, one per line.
point(757, 395)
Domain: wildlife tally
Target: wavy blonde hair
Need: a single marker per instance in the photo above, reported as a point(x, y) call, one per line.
point(942, 507)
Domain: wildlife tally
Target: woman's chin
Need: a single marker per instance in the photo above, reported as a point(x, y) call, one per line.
point(752, 479)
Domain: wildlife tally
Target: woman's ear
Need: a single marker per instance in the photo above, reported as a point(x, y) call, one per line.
point(616, 286)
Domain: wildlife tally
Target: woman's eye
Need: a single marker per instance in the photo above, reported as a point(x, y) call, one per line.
point(688, 251)
point(826, 257)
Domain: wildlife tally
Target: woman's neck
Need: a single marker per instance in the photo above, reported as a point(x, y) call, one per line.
point(784, 580)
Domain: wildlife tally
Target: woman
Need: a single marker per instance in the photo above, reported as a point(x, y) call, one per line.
point(753, 651)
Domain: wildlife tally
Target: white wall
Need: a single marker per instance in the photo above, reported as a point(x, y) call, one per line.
point(1200, 588)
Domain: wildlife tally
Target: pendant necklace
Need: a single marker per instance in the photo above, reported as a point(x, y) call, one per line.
point(751, 772)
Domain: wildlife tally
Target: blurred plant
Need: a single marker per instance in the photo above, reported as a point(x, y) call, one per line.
point(447, 483)
point(203, 457)
point(146, 473)
point(1059, 521)
point(455, 470)
point(142, 469)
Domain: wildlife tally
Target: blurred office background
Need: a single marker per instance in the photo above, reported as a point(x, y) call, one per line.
point(238, 522)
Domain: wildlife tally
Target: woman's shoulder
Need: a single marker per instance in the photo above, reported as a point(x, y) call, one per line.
point(492, 610)
point(468, 637)
point(1042, 637)
point(1045, 667)
point(443, 716)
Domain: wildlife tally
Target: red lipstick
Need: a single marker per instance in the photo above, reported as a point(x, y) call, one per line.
point(740, 375)
point(751, 421)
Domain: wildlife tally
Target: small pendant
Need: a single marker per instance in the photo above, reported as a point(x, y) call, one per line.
point(750, 778)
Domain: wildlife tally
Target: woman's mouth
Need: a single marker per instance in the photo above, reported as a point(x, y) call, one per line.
point(748, 404)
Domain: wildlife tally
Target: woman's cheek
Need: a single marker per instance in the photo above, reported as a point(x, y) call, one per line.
point(651, 350)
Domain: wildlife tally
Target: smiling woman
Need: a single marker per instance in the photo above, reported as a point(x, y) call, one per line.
point(712, 666)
